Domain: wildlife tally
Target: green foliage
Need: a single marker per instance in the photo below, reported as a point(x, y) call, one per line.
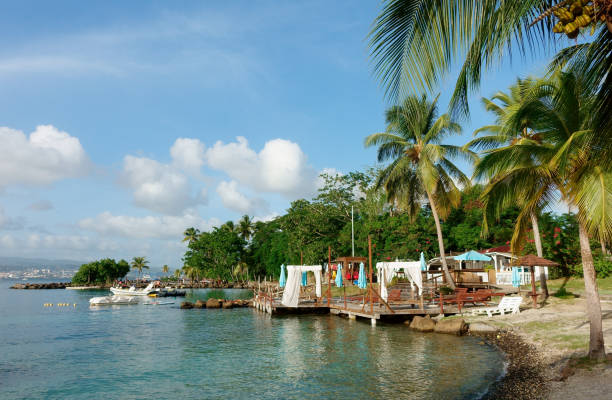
point(603, 268)
point(214, 254)
point(562, 293)
point(445, 290)
point(102, 271)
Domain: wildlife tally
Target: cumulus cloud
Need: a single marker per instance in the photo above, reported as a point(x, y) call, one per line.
point(146, 227)
point(188, 154)
point(237, 201)
point(45, 156)
point(280, 167)
point(166, 188)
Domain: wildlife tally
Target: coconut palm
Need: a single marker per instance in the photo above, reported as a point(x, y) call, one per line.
point(518, 120)
point(560, 162)
point(190, 235)
point(191, 272)
point(165, 269)
point(245, 227)
point(139, 263)
point(420, 168)
point(414, 44)
point(229, 226)
point(177, 274)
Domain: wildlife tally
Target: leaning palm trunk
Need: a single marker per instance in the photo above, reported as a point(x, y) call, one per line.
point(538, 243)
point(447, 275)
point(597, 350)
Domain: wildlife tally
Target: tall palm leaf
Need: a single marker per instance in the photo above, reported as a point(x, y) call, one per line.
point(245, 227)
point(421, 169)
point(190, 235)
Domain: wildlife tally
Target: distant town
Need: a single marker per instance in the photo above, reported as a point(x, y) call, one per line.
point(38, 273)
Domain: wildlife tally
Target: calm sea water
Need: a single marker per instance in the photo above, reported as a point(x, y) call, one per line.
point(162, 352)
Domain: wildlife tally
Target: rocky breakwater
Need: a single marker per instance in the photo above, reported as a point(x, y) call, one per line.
point(51, 285)
point(216, 303)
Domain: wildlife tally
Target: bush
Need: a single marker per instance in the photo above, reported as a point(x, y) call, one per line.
point(603, 268)
point(445, 290)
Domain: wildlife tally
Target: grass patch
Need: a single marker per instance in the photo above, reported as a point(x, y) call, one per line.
point(562, 293)
point(575, 285)
point(571, 341)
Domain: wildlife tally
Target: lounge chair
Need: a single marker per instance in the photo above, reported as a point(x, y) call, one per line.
point(506, 305)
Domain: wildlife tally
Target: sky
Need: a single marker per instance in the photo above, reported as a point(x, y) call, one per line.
point(123, 123)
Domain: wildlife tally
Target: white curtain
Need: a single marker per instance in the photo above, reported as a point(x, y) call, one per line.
point(388, 270)
point(291, 294)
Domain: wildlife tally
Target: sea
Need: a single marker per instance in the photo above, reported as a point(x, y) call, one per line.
point(158, 351)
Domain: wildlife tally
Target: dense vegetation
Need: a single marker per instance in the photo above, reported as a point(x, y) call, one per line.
point(102, 271)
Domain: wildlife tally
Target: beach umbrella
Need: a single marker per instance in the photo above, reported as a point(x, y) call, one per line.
point(471, 256)
point(423, 263)
point(533, 261)
point(283, 280)
point(362, 282)
point(304, 278)
point(339, 276)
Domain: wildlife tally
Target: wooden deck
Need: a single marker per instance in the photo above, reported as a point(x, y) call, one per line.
point(353, 310)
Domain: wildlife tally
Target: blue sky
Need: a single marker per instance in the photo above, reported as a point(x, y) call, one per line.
point(122, 123)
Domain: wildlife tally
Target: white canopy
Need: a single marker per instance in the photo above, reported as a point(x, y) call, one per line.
point(387, 270)
point(291, 294)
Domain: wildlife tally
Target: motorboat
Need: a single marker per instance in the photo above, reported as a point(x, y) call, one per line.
point(167, 292)
point(112, 300)
point(132, 291)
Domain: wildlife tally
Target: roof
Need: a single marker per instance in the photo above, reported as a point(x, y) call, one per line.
point(498, 249)
point(531, 260)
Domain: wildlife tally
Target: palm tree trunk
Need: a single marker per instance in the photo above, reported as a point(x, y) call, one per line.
point(604, 251)
point(597, 350)
point(538, 244)
point(447, 275)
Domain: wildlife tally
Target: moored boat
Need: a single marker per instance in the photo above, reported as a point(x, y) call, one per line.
point(112, 300)
point(132, 291)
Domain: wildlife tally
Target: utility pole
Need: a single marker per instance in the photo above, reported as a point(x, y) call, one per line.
point(352, 233)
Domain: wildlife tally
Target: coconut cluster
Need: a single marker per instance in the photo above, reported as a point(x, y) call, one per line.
point(574, 16)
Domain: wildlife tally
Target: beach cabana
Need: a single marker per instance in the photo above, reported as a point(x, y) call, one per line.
point(533, 261)
point(388, 270)
point(291, 295)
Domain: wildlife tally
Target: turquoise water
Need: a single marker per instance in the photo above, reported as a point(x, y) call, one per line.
point(159, 351)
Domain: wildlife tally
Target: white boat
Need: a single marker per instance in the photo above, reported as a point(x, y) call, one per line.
point(132, 291)
point(112, 300)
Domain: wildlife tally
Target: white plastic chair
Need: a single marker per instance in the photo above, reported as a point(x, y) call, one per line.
point(506, 305)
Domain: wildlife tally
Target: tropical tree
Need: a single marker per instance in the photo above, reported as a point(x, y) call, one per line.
point(518, 120)
point(177, 274)
point(245, 227)
point(229, 226)
point(165, 269)
point(139, 263)
point(414, 44)
point(561, 162)
point(192, 273)
point(420, 168)
point(190, 235)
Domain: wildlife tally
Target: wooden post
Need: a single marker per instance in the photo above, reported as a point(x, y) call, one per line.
point(344, 289)
point(534, 295)
point(301, 258)
point(370, 272)
point(329, 270)
point(441, 303)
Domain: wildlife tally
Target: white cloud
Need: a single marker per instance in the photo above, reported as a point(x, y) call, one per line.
point(10, 223)
point(146, 227)
point(44, 157)
point(188, 155)
point(7, 242)
point(165, 188)
point(237, 201)
point(280, 167)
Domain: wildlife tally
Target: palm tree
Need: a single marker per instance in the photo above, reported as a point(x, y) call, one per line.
point(229, 226)
point(177, 274)
point(518, 120)
point(191, 272)
point(165, 269)
point(139, 263)
point(420, 169)
point(245, 227)
point(561, 162)
point(190, 235)
point(414, 44)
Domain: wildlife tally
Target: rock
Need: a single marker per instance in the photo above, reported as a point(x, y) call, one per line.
point(200, 304)
point(453, 326)
point(186, 305)
point(18, 286)
point(423, 324)
point(481, 327)
point(228, 304)
point(213, 303)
